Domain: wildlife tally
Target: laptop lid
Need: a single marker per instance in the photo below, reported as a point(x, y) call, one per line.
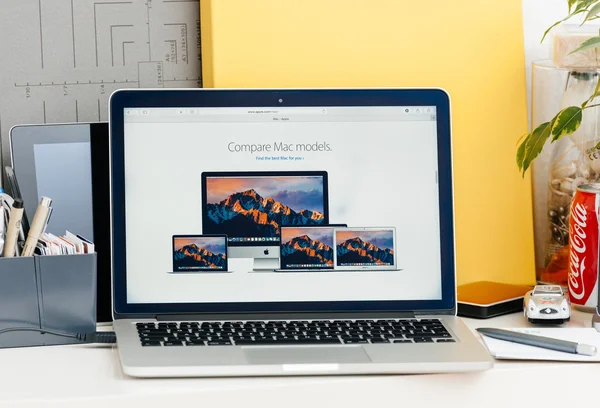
point(363, 157)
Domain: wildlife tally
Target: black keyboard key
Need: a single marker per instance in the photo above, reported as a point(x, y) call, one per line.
point(255, 342)
point(219, 343)
point(309, 341)
point(445, 341)
point(194, 343)
point(150, 337)
point(423, 340)
point(341, 322)
point(173, 343)
point(355, 340)
point(379, 340)
point(150, 330)
point(401, 341)
point(329, 338)
point(150, 343)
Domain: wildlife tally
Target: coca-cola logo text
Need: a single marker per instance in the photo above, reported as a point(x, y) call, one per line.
point(577, 242)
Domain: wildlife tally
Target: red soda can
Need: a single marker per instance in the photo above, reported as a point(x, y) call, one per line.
point(584, 252)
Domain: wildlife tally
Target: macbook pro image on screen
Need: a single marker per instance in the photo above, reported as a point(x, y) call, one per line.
point(307, 248)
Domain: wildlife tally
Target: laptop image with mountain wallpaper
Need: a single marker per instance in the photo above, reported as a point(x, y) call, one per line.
point(362, 249)
point(307, 248)
point(256, 170)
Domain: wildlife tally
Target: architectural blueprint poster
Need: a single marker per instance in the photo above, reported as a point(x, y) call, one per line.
point(61, 59)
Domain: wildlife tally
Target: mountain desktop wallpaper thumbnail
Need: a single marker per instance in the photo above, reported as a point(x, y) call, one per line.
point(365, 247)
point(258, 206)
point(199, 253)
point(307, 246)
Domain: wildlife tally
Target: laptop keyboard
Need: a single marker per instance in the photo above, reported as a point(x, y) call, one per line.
point(255, 333)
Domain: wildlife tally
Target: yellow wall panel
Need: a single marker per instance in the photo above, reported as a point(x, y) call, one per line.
point(472, 48)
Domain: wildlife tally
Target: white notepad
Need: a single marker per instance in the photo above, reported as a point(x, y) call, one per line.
point(506, 350)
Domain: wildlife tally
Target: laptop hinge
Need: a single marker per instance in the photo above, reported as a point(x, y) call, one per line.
point(451, 312)
point(284, 316)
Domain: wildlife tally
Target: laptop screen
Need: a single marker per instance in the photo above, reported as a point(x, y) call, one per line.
point(249, 173)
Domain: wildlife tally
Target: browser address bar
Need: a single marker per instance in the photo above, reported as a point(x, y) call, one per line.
point(261, 111)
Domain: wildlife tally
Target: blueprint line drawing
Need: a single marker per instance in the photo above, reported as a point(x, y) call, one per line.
point(62, 59)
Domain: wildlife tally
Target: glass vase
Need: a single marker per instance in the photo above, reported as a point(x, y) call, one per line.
point(563, 165)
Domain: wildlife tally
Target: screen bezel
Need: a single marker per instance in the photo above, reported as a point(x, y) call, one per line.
point(365, 268)
point(182, 98)
point(233, 174)
point(332, 226)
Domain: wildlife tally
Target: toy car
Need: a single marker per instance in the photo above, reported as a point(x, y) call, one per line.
point(547, 304)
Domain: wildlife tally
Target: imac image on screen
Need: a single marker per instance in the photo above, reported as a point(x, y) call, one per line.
point(250, 208)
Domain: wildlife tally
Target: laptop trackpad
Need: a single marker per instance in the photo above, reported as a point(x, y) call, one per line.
point(305, 355)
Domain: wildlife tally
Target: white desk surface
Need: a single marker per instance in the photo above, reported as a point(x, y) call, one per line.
point(90, 376)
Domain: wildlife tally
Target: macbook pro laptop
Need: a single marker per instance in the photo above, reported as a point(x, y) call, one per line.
point(243, 163)
point(307, 248)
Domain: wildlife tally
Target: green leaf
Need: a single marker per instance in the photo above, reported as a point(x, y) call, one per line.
point(571, 3)
point(554, 25)
point(582, 5)
point(521, 152)
point(594, 11)
point(593, 42)
point(535, 143)
point(566, 122)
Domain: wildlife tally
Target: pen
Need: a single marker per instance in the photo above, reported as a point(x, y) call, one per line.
point(14, 226)
point(539, 341)
point(38, 225)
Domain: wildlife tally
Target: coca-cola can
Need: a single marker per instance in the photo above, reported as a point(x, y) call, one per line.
point(584, 252)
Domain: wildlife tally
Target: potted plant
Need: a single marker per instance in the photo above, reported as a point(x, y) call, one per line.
point(570, 138)
point(568, 120)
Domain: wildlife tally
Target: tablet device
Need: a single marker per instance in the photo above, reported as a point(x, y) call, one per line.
point(200, 253)
point(70, 164)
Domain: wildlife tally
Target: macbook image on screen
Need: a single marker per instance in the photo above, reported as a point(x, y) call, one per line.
point(199, 253)
point(365, 249)
point(307, 248)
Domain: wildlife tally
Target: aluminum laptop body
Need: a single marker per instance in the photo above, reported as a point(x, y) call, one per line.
point(241, 163)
